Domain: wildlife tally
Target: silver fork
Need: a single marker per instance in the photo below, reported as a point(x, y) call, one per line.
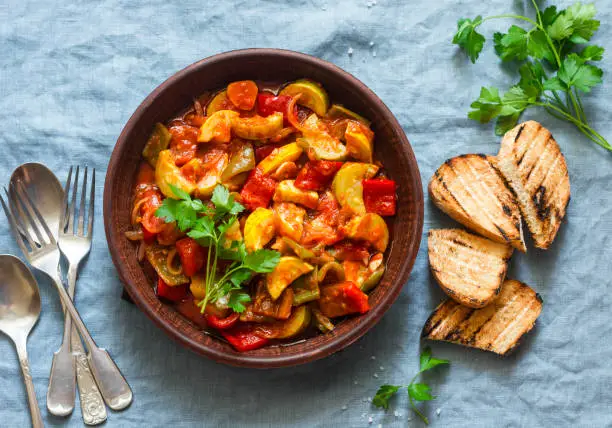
point(43, 254)
point(75, 246)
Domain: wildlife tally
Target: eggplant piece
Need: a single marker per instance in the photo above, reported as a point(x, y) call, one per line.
point(157, 256)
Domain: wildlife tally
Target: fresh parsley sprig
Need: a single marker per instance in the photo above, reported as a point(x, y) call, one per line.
point(417, 391)
point(555, 66)
point(208, 227)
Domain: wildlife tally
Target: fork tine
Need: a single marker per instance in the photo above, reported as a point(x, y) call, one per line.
point(90, 216)
point(81, 225)
point(64, 215)
point(71, 213)
point(31, 206)
point(26, 215)
point(13, 223)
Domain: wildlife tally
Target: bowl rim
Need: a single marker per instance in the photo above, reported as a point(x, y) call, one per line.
point(336, 343)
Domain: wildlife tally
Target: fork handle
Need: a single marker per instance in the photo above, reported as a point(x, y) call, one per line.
point(93, 409)
point(113, 386)
point(27, 378)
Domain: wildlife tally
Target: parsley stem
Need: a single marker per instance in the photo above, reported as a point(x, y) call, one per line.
point(416, 410)
point(510, 15)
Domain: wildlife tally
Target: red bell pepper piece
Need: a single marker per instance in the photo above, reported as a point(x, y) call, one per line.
point(349, 250)
point(190, 310)
point(192, 255)
point(268, 103)
point(343, 299)
point(242, 338)
point(262, 152)
point(316, 175)
point(258, 190)
point(379, 196)
point(222, 323)
point(172, 293)
point(148, 237)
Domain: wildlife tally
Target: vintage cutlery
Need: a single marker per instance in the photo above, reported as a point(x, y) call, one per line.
point(19, 312)
point(44, 255)
point(45, 189)
point(75, 245)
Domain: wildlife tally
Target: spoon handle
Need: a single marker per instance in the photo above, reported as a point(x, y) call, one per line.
point(27, 378)
point(114, 388)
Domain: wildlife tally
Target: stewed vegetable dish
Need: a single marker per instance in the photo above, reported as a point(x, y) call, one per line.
point(262, 212)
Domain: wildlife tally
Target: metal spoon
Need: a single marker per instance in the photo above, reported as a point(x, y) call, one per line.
point(19, 312)
point(44, 188)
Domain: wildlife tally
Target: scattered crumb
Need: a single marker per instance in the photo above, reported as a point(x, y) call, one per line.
point(350, 51)
point(356, 383)
point(438, 411)
point(371, 44)
point(372, 358)
point(375, 375)
point(374, 53)
point(344, 407)
point(382, 368)
point(397, 414)
point(370, 420)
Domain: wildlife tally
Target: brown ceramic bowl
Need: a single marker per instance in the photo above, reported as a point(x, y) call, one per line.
point(270, 65)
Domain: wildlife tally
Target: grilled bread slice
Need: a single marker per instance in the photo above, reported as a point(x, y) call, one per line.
point(497, 327)
point(469, 268)
point(533, 165)
point(472, 192)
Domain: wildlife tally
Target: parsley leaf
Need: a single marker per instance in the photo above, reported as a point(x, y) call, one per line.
point(420, 392)
point(179, 193)
point(416, 391)
point(592, 53)
point(551, 43)
point(262, 261)
point(574, 72)
point(237, 300)
point(384, 394)
point(468, 38)
point(208, 227)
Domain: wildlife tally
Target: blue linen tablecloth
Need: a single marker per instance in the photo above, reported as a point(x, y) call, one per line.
point(71, 75)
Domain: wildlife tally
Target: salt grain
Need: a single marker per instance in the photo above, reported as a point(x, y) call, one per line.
point(438, 411)
point(382, 369)
point(374, 54)
point(375, 375)
point(350, 52)
point(371, 44)
point(397, 414)
point(356, 383)
point(372, 358)
point(344, 407)
point(370, 420)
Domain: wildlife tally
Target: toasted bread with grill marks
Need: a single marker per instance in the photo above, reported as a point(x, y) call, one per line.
point(470, 190)
point(532, 163)
point(469, 268)
point(497, 327)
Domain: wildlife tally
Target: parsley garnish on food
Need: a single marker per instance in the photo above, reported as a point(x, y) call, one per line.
point(555, 66)
point(208, 226)
point(416, 391)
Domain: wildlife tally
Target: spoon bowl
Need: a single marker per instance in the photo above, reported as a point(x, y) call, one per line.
point(19, 312)
point(44, 188)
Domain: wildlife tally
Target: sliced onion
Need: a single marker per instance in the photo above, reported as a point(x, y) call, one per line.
point(134, 235)
point(170, 265)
